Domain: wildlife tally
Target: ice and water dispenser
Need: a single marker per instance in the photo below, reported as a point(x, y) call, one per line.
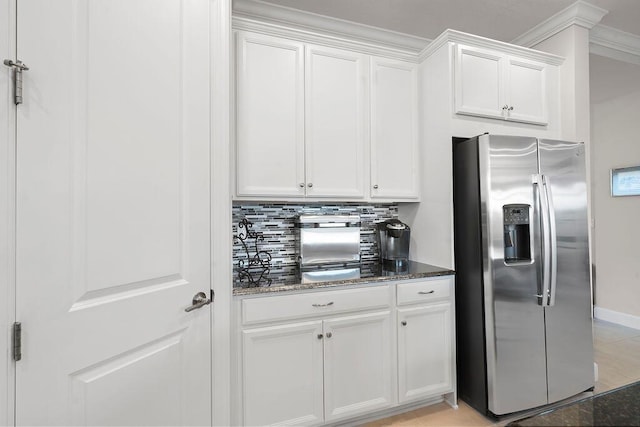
point(517, 239)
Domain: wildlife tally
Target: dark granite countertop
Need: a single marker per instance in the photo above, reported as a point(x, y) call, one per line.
point(617, 407)
point(368, 273)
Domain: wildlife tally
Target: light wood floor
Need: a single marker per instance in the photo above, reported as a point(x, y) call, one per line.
point(616, 353)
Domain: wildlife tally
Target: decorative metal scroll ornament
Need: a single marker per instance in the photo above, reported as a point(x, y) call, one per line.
point(255, 269)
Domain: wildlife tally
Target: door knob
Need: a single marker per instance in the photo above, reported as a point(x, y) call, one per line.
point(199, 300)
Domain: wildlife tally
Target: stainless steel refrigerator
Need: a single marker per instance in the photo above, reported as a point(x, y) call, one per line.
point(523, 293)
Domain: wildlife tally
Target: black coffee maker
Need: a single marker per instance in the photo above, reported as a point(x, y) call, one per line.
point(393, 244)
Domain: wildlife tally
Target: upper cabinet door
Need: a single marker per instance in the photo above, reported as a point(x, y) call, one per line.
point(336, 115)
point(490, 83)
point(526, 92)
point(270, 116)
point(394, 129)
point(479, 82)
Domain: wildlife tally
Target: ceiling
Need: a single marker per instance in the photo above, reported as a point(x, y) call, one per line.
point(496, 19)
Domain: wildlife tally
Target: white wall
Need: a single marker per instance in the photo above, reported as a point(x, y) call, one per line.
point(615, 125)
point(572, 43)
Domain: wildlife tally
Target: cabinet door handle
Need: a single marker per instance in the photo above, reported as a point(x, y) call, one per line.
point(510, 108)
point(505, 107)
point(375, 187)
point(329, 334)
point(404, 323)
point(302, 185)
point(323, 305)
point(426, 293)
point(319, 336)
point(310, 185)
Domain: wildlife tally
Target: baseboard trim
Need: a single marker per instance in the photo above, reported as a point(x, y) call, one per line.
point(617, 317)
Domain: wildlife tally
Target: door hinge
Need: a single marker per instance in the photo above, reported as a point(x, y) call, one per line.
point(18, 67)
point(17, 341)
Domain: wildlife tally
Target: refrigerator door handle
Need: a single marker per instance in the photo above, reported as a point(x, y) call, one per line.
point(553, 242)
point(540, 182)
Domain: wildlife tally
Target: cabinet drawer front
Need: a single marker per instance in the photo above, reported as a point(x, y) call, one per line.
point(276, 308)
point(424, 291)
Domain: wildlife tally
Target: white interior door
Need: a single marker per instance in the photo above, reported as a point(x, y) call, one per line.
point(113, 213)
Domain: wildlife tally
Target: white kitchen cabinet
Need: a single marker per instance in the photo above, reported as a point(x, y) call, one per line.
point(301, 116)
point(357, 364)
point(490, 83)
point(270, 116)
point(394, 129)
point(426, 359)
point(319, 369)
point(335, 120)
point(424, 351)
point(283, 375)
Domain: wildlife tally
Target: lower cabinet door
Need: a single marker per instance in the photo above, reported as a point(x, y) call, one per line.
point(282, 374)
point(424, 351)
point(357, 364)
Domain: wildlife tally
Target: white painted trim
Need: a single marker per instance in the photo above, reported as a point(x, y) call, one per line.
point(453, 36)
point(617, 317)
point(579, 13)
point(276, 20)
point(221, 248)
point(7, 218)
point(615, 44)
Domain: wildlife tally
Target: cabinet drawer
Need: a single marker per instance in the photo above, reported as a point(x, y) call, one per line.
point(313, 304)
point(424, 291)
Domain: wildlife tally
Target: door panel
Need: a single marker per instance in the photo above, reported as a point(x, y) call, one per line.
point(270, 116)
point(113, 213)
point(362, 342)
point(479, 82)
point(569, 322)
point(335, 82)
point(394, 129)
point(424, 351)
point(282, 374)
point(513, 318)
point(527, 91)
point(132, 379)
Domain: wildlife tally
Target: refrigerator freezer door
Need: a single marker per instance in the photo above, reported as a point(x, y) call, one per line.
point(514, 320)
point(568, 320)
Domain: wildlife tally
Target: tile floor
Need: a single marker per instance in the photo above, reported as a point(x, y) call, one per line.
point(616, 353)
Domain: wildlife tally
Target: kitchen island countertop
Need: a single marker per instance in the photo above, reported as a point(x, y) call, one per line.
point(369, 273)
point(617, 407)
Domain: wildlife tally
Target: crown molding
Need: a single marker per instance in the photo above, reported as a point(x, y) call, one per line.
point(453, 36)
point(579, 13)
point(615, 44)
point(255, 15)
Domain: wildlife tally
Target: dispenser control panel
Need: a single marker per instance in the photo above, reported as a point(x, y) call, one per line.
point(516, 214)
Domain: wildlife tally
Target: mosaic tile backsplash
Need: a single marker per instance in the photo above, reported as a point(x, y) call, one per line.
point(277, 222)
